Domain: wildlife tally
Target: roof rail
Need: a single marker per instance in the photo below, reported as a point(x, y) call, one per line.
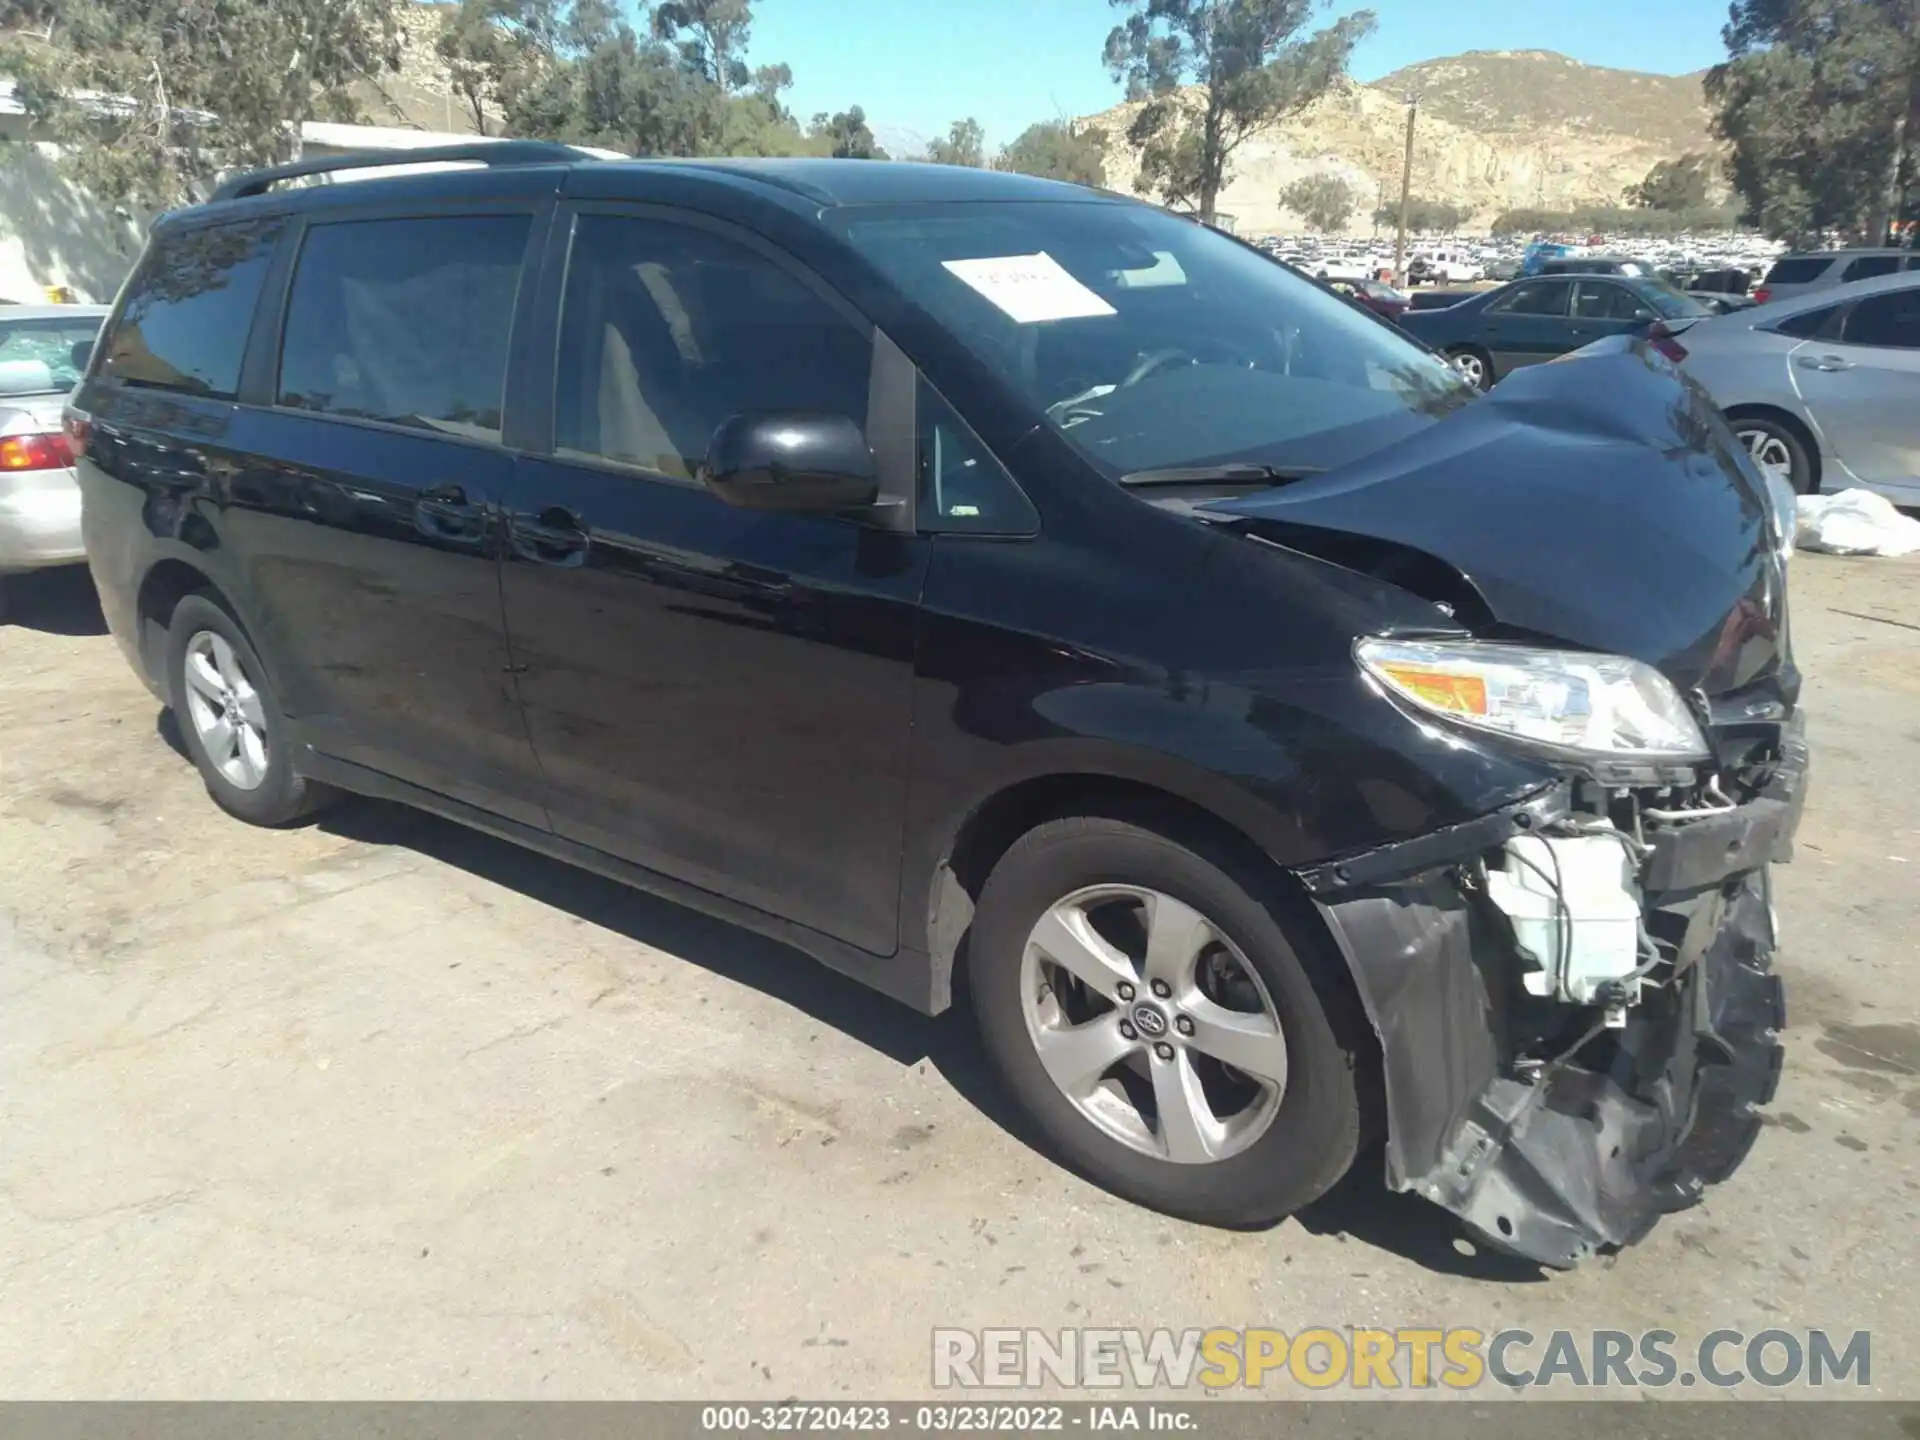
point(496, 152)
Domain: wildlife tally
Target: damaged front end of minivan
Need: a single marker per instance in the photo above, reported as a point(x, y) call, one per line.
point(1574, 994)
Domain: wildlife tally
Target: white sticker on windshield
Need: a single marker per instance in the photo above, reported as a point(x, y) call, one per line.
point(1029, 288)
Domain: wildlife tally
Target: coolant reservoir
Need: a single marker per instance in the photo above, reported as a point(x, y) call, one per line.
point(1575, 909)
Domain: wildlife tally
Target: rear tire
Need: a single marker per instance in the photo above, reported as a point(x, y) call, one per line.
point(1281, 1142)
point(1475, 364)
point(1777, 448)
point(230, 720)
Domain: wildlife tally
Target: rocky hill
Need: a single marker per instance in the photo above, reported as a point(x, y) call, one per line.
point(1498, 130)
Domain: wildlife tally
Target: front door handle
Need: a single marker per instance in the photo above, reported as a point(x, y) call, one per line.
point(555, 536)
point(1830, 364)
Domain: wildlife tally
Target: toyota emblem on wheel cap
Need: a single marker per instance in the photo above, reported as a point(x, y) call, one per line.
point(1148, 1020)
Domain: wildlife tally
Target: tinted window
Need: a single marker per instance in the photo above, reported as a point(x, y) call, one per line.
point(1892, 320)
point(62, 345)
point(1540, 297)
point(667, 330)
point(1805, 326)
point(185, 322)
point(405, 321)
point(1802, 271)
point(962, 487)
point(1869, 266)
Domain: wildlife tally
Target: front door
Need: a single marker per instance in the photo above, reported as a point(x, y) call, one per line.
point(366, 506)
point(1861, 390)
point(721, 695)
point(1528, 324)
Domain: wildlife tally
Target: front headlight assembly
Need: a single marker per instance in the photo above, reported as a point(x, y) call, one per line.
point(1565, 702)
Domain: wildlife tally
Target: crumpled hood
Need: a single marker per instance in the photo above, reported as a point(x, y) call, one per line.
point(1601, 502)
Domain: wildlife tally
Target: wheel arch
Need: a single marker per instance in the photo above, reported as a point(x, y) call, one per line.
point(166, 583)
point(990, 829)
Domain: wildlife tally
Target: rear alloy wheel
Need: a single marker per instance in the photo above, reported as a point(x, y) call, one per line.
point(1475, 365)
point(233, 728)
point(1152, 1018)
point(1777, 451)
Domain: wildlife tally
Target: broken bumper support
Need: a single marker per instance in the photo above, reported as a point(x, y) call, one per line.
point(1555, 1161)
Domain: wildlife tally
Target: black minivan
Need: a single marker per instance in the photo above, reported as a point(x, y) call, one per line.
point(999, 588)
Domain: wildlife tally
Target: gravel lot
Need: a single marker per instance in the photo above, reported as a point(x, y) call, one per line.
point(382, 1108)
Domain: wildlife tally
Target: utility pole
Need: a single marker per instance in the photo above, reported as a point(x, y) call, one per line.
point(1406, 195)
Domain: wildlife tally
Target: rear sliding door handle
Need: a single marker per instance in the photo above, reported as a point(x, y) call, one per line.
point(555, 536)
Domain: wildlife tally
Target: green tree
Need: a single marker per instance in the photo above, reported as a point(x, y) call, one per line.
point(711, 36)
point(197, 86)
point(1325, 202)
point(482, 52)
point(1683, 184)
point(965, 144)
point(1425, 216)
point(1055, 150)
point(1249, 66)
point(1819, 102)
point(846, 136)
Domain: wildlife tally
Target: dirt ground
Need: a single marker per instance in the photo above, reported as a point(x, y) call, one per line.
point(383, 1108)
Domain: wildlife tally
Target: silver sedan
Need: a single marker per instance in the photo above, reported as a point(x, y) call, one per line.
point(1823, 389)
point(43, 351)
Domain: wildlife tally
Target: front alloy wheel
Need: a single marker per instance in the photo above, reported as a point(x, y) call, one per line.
point(1152, 1024)
point(1151, 1007)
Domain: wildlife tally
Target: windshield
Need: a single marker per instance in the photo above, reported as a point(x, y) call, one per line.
point(60, 343)
point(1151, 341)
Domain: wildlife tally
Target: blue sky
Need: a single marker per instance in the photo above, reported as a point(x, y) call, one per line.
point(920, 64)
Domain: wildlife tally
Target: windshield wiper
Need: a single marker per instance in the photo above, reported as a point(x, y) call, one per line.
point(1236, 474)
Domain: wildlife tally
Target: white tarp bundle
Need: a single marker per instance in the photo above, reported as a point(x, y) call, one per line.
point(1854, 522)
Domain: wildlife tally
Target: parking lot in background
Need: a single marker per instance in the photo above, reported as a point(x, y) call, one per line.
point(382, 1107)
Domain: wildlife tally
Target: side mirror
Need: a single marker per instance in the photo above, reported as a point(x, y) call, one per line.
point(26, 377)
point(798, 461)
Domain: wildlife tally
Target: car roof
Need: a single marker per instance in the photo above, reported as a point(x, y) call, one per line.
point(1849, 254)
point(1838, 294)
point(800, 184)
point(53, 312)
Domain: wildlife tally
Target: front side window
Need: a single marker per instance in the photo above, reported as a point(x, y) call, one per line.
point(405, 321)
point(62, 345)
point(187, 315)
point(1149, 340)
point(962, 487)
point(1597, 300)
point(667, 329)
point(1891, 321)
point(1539, 297)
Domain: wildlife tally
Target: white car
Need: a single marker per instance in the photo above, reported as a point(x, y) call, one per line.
point(43, 352)
point(1821, 388)
point(1453, 267)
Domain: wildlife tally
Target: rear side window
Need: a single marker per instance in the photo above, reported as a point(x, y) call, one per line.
point(405, 321)
point(1802, 270)
point(1869, 266)
point(1806, 326)
point(1891, 320)
point(185, 322)
point(666, 330)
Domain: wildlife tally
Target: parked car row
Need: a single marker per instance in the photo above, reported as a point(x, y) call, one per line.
point(1004, 591)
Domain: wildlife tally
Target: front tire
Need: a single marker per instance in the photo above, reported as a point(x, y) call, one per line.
point(230, 721)
point(1153, 1019)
